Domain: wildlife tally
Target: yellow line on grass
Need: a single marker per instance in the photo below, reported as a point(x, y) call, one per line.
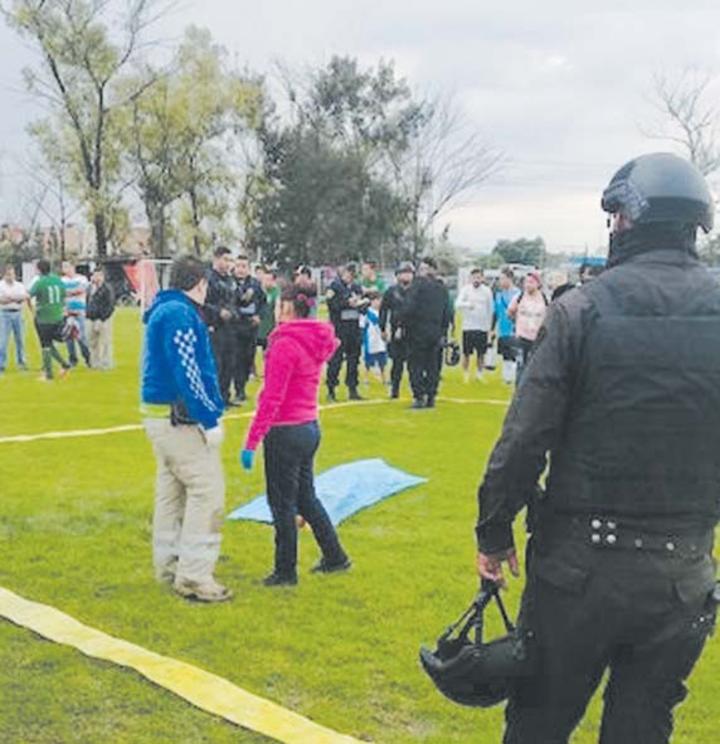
point(80, 433)
point(202, 689)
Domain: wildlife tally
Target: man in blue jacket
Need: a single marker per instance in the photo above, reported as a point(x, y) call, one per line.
point(182, 407)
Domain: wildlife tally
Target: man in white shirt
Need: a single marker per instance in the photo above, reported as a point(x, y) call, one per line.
point(13, 296)
point(475, 303)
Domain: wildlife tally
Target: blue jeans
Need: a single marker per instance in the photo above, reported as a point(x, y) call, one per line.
point(11, 323)
point(82, 343)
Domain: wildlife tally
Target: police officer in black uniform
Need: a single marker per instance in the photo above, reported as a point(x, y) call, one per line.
point(345, 303)
point(391, 310)
point(219, 312)
point(623, 393)
point(249, 302)
point(426, 316)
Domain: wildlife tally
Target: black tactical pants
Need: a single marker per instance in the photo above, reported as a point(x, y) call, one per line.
point(289, 455)
point(223, 344)
point(350, 336)
point(642, 615)
point(399, 353)
point(424, 361)
point(244, 355)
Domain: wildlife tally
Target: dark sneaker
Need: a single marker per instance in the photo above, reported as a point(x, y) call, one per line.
point(354, 395)
point(331, 395)
point(276, 579)
point(430, 403)
point(394, 394)
point(417, 404)
point(326, 567)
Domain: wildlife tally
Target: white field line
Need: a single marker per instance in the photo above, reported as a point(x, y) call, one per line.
point(81, 433)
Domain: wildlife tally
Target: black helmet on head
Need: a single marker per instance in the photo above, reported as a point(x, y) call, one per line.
point(405, 267)
point(660, 187)
point(470, 672)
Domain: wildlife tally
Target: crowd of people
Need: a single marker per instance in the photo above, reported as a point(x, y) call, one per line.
point(200, 347)
point(71, 310)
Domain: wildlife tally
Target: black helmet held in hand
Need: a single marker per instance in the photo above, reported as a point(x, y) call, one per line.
point(660, 187)
point(470, 672)
point(452, 353)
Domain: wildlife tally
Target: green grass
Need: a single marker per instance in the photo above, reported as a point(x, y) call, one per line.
point(75, 533)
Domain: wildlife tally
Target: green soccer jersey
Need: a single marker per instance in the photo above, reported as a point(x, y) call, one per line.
point(49, 295)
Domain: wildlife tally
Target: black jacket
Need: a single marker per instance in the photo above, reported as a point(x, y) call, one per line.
point(623, 393)
point(249, 302)
point(101, 302)
point(426, 311)
point(340, 298)
point(391, 308)
point(220, 296)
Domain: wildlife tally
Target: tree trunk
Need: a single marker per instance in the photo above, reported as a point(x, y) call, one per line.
point(101, 239)
point(195, 220)
point(155, 212)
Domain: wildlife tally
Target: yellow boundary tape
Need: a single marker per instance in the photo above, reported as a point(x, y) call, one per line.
point(80, 433)
point(202, 689)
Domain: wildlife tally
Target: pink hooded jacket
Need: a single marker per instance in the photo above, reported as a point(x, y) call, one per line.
point(296, 353)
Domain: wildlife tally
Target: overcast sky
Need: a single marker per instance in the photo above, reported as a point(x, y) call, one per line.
point(561, 91)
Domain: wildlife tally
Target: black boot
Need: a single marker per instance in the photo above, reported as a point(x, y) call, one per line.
point(430, 402)
point(326, 567)
point(354, 395)
point(278, 579)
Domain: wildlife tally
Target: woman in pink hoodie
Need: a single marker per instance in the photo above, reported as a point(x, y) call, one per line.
point(287, 420)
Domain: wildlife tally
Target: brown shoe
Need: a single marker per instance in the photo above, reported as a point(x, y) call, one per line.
point(209, 591)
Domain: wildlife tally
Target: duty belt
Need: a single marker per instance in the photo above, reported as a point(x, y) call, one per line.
point(605, 532)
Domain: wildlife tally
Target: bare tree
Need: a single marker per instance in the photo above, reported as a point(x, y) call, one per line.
point(47, 194)
point(446, 162)
point(688, 117)
point(81, 62)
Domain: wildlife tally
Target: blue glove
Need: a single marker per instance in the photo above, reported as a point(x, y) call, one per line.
point(247, 458)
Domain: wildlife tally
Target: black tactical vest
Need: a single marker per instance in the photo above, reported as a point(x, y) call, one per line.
point(643, 431)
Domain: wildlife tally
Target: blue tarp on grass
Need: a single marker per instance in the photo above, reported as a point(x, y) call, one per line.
point(343, 490)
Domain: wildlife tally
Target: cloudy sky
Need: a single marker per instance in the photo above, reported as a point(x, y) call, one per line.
point(563, 92)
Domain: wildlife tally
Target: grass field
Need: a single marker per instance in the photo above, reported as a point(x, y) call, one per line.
point(75, 533)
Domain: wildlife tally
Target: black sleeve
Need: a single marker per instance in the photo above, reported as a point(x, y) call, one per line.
point(261, 298)
point(109, 303)
point(532, 428)
point(385, 309)
point(211, 308)
point(447, 320)
point(339, 300)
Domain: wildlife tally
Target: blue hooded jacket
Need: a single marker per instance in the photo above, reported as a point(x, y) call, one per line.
point(178, 362)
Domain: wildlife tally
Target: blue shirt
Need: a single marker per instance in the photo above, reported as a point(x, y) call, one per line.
point(503, 300)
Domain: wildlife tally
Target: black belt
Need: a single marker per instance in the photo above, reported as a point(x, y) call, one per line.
point(605, 532)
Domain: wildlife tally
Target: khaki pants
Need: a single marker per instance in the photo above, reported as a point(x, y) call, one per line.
point(189, 502)
point(100, 341)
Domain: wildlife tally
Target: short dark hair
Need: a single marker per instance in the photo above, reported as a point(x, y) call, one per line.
point(43, 266)
point(241, 257)
point(476, 271)
point(508, 272)
point(431, 262)
point(302, 294)
point(186, 273)
point(220, 251)
point(350, 268)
